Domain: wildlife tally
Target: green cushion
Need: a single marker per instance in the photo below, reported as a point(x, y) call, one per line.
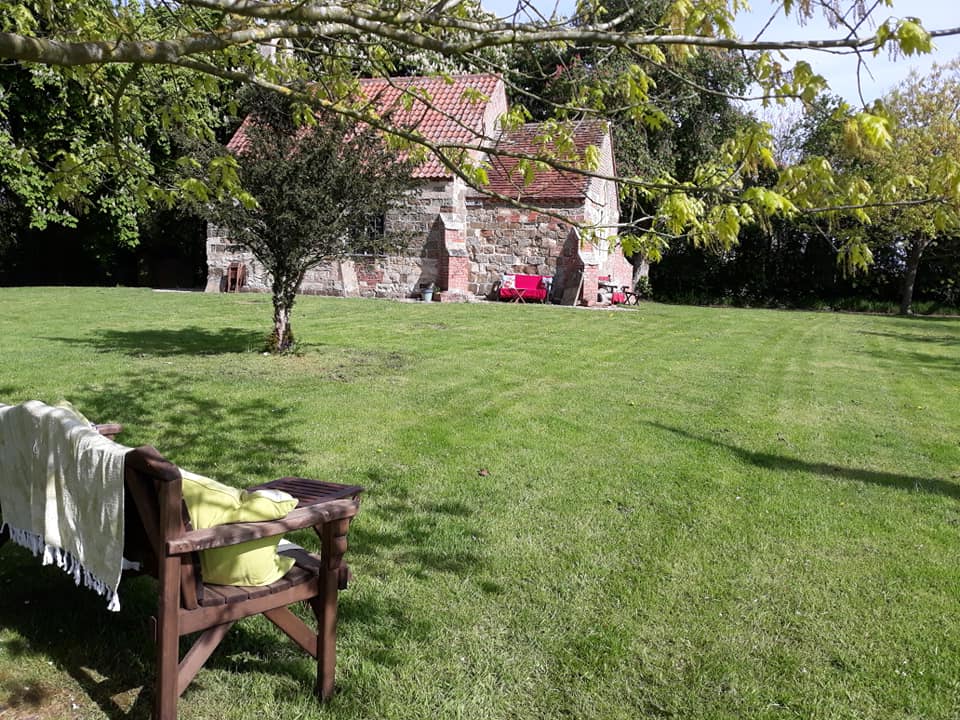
point(211, 503)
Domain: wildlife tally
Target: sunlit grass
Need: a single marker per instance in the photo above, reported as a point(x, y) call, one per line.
point(667, 512)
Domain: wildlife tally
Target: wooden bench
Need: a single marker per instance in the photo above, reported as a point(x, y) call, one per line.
point(158, 535)
point(520, 288)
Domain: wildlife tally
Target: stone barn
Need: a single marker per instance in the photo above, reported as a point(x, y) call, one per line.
point(465, 241)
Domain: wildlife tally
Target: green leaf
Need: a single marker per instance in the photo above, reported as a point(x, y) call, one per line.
point(195, 189)
point(912, 38)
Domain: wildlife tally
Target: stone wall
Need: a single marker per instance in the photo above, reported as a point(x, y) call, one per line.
point(220, 255)
point(502, 239)
point(465, 247)
point(396, 276)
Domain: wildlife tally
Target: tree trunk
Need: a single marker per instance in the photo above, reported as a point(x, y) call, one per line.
point(282, 337)
point(910, 277)
point(285, 285)
point(641, 268)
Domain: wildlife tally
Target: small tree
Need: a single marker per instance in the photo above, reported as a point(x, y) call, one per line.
point(923, 161)
point(317, 191)
point(914, 186)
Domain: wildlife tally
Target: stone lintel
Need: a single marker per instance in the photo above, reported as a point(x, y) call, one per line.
point(452, 222)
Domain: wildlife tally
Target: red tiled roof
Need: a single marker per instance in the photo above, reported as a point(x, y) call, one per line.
point(548, 184)
point(445, 115)
point(238, 143)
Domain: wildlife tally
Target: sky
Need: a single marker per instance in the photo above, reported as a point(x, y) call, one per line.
point(882, 73)
point(840, 71)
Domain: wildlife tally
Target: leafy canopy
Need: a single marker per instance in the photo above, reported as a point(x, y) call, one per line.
point(199, 42)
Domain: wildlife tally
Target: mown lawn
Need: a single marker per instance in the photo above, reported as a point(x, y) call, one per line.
point(664, 513)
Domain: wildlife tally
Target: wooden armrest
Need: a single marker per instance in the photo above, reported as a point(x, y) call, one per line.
point(147, 459)
point(234, 533)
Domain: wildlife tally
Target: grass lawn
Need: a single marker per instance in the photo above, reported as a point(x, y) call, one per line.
point(682, 512)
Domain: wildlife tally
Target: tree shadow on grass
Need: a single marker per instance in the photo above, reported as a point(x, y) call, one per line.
point(111, 655)
point(244, 440)
point(946, 364)
point(912, 359)
point(172, 342)
point(408, 528)
point(402, 536)
point(770, 461)
point(917, 337)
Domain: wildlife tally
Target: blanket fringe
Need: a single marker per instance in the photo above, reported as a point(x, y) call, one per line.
point(53, 555)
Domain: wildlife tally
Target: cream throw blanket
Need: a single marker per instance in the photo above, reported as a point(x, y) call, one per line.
point(61, 493)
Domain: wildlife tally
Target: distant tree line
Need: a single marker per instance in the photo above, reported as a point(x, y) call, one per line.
point(914, 247)
point(789, 266)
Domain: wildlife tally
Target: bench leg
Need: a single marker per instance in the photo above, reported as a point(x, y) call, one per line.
point(168, 642)
point(334, 545)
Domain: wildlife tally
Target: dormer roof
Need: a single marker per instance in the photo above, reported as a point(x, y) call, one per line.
point(548, 184)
